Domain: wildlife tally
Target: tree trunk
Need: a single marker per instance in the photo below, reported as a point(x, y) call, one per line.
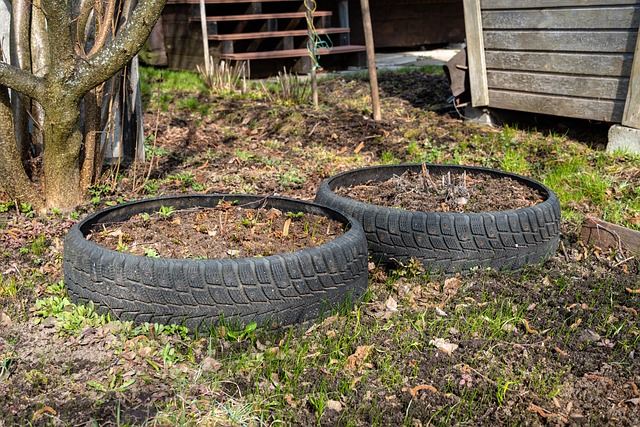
point(17, 183)
point(61, 158)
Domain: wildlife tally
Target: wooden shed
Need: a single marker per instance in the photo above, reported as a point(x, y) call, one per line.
point(571, 58)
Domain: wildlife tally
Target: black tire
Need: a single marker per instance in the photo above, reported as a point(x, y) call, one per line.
point(273, 291)
point(450, 242)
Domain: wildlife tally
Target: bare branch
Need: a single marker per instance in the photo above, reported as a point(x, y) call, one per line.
point(22, 81)
point(121, 48)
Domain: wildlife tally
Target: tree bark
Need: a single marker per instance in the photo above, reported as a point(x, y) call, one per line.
point(16, 181)
point(21, 58)
point(61, 158)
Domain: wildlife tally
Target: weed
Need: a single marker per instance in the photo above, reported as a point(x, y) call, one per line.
point(292, 179)
point(288, 88)
point(151, 253)
point(70, 318)
point(220, 77)
point(165, 211)
point(9, 286)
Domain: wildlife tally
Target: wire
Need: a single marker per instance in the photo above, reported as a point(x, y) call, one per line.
point(315, 42)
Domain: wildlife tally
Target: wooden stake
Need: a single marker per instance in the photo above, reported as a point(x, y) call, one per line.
point(205, 37)
point(371, 59)
point(310, 46)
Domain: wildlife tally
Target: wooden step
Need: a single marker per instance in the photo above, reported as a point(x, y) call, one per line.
point(290, 53)
point(273, 34)
point(224, 1)
point(258, 16)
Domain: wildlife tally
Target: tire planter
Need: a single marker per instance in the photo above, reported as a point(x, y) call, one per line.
point(275, 290)
point(450, 242)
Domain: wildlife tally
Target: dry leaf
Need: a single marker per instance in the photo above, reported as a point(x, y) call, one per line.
point(391, 304)
point(357, 359)
point(635, 401)
point(39, 412)
point(210, 364)
point(290, 400)
point(528, 328)
point(273, 213)
point(414, 391)
point(443, 345)
point(5, 320)
point(285, 229)
point(334, 405)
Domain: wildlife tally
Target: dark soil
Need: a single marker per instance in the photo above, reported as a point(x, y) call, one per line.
point(227, 231)
point(432, 192)
point(555, 344)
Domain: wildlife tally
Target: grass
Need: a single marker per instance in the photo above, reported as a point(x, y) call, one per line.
point(525, 338)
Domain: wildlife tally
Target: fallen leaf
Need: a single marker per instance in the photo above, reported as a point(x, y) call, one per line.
point(633, 291)
point(334, 405)
point(444, 345)
point(391, 304)
point(414, 391)
point(39, 412)
point(635, 401)
point(210, 364)
point(290, 400)
point(576, 324)
point(5, 320)
point(359, 147)
point(599, 378)
point(358, 357)
point(528, 328)
point(440, 312)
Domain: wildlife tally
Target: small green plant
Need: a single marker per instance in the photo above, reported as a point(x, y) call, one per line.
point(38, 245)
point(151, 253)
point(70, 318)
point(166, 211)
point(9, 287)
point(240, 335)
point(4, 207)
point(116, 384)
point(295, 215)
point(292, 179)
point(27, 210)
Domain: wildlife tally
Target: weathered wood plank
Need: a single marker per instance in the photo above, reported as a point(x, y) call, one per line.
point(557, 41)
point(535, 4)
point(605, 88)
point(614, 65)
point(631, 116)
point(559, 19)
point(475, 53)
point(589, 109)
point(607, 235)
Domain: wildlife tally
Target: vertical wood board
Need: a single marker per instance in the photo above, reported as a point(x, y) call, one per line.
point(558, 19)
point(613, 65)
point(588, 109)
point(605, 88)
point(475, 53)
point(573, 41)
point(631, 116)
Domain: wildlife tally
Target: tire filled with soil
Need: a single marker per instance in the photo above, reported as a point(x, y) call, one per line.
point(451, 218)
point(273, 288)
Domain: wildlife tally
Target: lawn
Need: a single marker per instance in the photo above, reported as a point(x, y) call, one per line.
point(557, 343)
